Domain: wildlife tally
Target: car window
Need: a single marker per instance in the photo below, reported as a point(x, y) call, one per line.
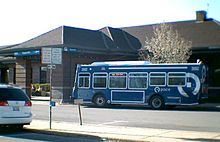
point(12, 94)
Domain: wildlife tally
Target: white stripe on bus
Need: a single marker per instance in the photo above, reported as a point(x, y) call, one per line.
point(127, 68)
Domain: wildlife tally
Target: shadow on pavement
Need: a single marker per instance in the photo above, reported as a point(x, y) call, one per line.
point(10, 130)
point(72, 136)
point(200, 140)
point(47, 135)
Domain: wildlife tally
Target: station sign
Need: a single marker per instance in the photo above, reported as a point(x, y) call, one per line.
point(51, 56)
point(56, 55)
point(46, 55)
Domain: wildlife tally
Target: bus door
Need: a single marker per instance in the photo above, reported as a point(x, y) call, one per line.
point(83, 86)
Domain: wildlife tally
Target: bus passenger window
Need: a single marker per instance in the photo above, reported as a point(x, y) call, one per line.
point(176, 79)
point(157, 79)
point(117, 80)
point(83, 80)
point(138, 80)
point(99, 80)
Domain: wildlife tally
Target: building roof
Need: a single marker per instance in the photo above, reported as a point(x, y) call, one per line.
point(71, 37)
point(202, 34)
point(121, 39)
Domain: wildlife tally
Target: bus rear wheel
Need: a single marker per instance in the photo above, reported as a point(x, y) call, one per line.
point(156, 102)
point(100, 101)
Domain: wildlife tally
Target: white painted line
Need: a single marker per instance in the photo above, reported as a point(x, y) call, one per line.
point(112, 122)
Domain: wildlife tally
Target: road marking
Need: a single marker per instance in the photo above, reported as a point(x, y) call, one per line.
point(112, 122)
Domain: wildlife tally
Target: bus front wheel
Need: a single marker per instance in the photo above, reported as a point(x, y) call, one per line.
point(156, 102)
point(100, 101)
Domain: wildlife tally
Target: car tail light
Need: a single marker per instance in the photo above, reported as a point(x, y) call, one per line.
point(3, 103)
point(28, 103)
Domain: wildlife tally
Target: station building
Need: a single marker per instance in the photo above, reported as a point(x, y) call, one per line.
point(21, 64)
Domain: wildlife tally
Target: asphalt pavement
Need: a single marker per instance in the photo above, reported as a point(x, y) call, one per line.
point(122, 133)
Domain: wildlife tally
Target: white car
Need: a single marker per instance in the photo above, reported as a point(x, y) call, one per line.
point(15, 107)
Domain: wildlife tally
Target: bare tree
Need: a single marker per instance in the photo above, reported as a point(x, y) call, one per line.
point(166, 46)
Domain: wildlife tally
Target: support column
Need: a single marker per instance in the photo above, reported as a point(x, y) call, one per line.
point(23, 74)
point(11, 77)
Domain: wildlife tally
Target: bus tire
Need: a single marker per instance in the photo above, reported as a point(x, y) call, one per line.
point(100, 101)
point(157, 102)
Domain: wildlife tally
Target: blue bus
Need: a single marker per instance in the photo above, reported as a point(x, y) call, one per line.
point(141, 83)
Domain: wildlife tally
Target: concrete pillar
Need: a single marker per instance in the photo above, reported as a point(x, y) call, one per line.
point(23, 74)
point(11, 77)
point(36, 74)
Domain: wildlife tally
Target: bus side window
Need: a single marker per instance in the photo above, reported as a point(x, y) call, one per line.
point(100, 80)
point(138, 80)
point(176, 79)
point(157, 79)
point(117, 80)
point(84, 80)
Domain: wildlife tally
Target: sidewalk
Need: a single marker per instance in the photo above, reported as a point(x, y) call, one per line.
point(122, 133)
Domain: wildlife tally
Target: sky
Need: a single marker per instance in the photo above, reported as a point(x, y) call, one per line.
point(22, 20)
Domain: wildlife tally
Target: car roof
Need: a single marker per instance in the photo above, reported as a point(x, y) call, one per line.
point(9, 86)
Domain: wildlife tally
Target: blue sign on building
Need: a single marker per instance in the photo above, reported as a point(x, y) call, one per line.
point(66, 49)
point(27, 53)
